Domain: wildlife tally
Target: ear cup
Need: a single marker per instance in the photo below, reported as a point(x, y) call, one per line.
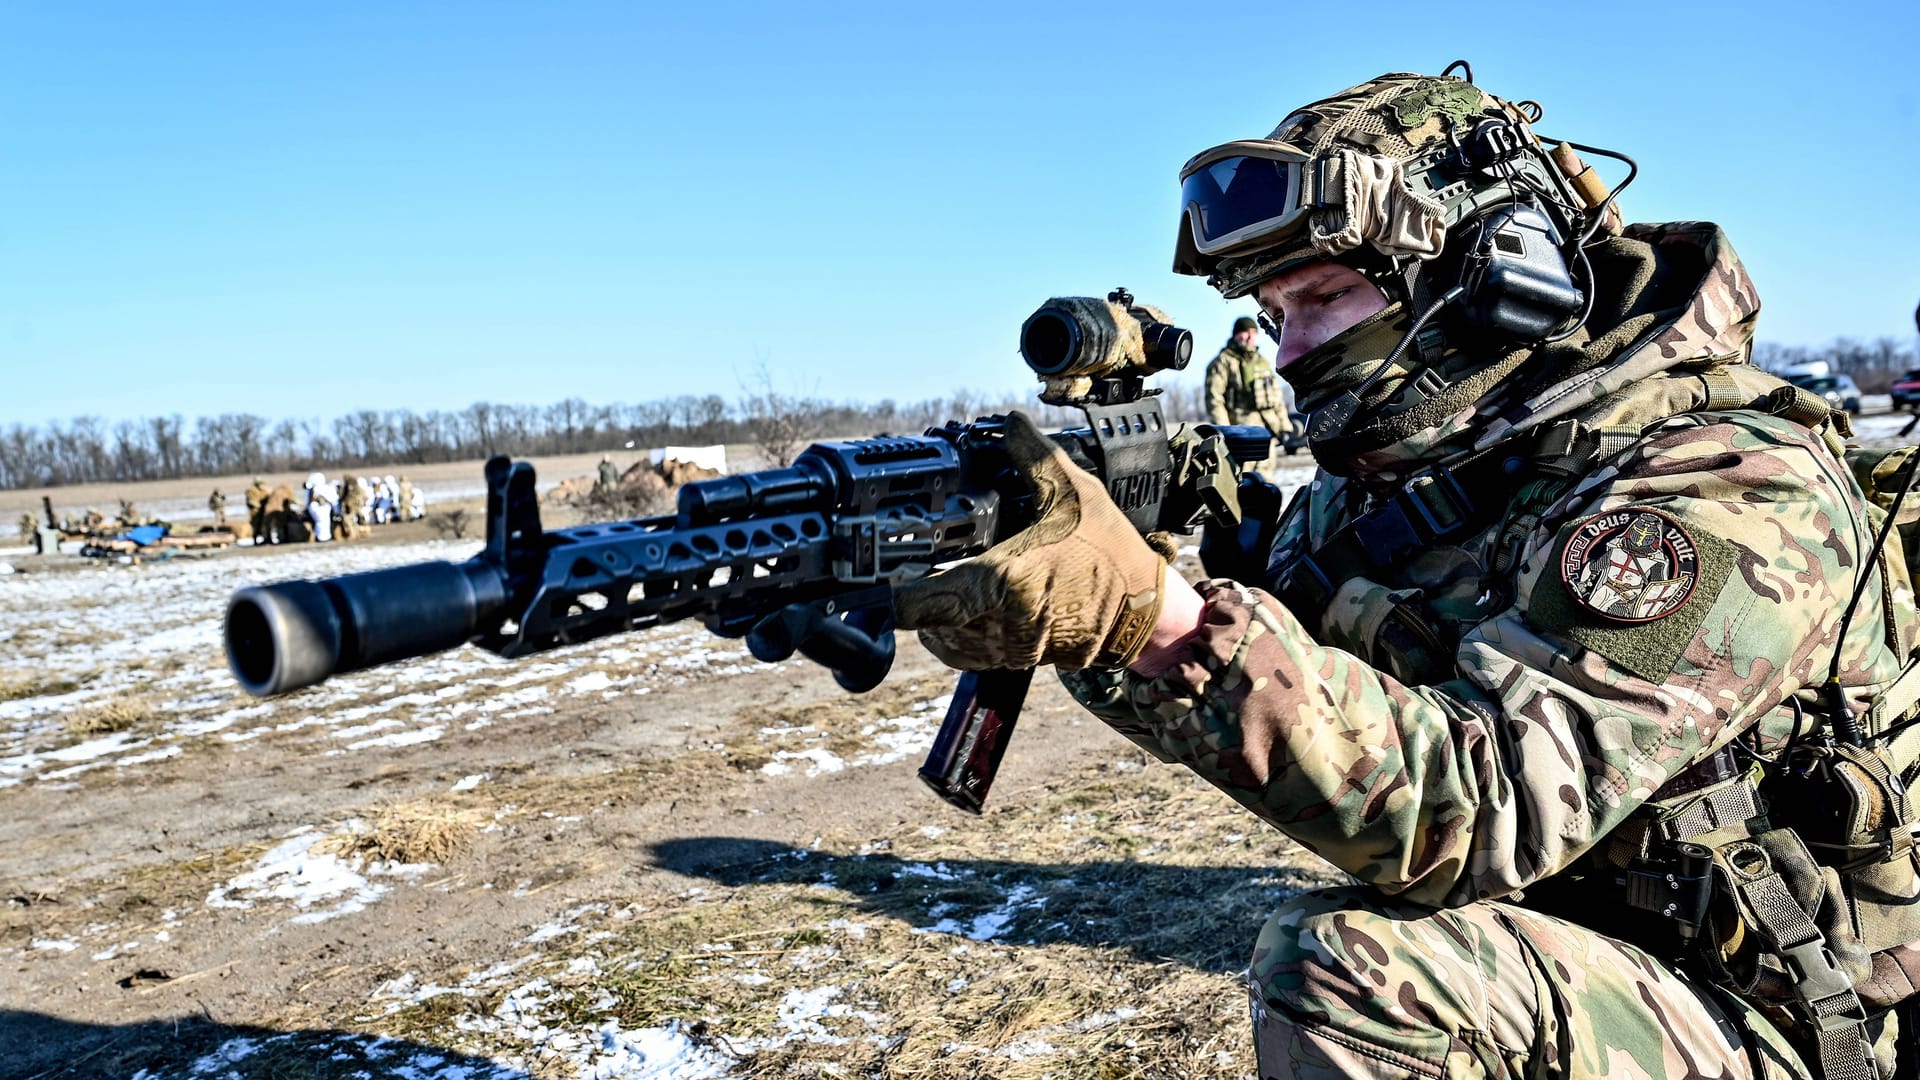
point(1518, 286)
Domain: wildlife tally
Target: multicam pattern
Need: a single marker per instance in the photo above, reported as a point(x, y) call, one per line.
point(1485, 990)
point(1472, 780)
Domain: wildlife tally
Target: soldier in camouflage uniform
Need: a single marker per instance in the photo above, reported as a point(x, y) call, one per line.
point(1546, 612)
point(1242, 388)
point(256, 508)
point(353, 506)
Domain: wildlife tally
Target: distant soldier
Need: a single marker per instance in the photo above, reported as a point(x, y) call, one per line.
point(609, 475)
point(320, 500)
point(390, 494)
point(130, 514)
point(353, 505)
point(405, 505)
point(94, 519)
point(1242, 387)
point(217, 502)
point(29, 525)
point(256, 507)
point(275, 508)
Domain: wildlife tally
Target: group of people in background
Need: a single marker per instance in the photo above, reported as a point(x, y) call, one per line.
point(349, 505)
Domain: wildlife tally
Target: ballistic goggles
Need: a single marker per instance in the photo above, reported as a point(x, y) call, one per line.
point(1240, 197)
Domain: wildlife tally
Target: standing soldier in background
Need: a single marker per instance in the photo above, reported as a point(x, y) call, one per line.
point(353, 502)
point(1243, 389)
point(404, 511)
point(217, 502)
point(609, 475)
point(256, 507)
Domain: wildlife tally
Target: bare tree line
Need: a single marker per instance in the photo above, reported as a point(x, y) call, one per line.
point(1873, 365)
point(93, 450)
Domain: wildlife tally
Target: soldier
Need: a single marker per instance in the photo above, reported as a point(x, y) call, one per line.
point(404, 508)
point(320, 504)
point(609, 477)
point(353, 506)
point(1242, 387)
point(1546, 792)
point(94, 519)
point(217, 502)
point(256, 508)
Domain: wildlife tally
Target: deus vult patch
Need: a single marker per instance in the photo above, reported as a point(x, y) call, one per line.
point(1634, 585)
point(1632, 566)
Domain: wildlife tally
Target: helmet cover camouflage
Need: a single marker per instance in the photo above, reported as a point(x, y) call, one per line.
point(1410, 122)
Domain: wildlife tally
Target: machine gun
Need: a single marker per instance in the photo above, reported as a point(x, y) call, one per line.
point(797, 559)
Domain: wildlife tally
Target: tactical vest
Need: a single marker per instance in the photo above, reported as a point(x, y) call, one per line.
point(1790, 879)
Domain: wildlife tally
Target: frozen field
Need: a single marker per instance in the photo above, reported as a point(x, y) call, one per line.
point(648, 856)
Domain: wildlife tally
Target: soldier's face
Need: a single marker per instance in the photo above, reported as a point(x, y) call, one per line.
point(1244, 338)
point(1313, 302)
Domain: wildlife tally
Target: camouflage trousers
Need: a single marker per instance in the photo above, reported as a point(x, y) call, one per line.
point(1347, 982)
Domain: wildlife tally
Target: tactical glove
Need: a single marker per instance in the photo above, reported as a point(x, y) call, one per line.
point(1078, 588)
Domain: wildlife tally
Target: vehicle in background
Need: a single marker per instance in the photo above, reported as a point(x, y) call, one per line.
point(1798, 374)
point(1839, 390)
point(1906, 391)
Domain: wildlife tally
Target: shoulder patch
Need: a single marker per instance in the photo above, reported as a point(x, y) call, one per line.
point(1642, 613)
point(1633, 565)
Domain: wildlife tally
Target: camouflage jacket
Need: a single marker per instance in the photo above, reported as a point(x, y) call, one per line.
point(1243, 389)
point(1674, 597)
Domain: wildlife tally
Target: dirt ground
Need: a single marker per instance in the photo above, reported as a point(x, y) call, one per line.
point(644, 856)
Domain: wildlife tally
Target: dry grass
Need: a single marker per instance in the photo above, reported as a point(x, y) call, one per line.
point(429, 830)
point(107, 717)
point(16, 686)
point(1125, 905)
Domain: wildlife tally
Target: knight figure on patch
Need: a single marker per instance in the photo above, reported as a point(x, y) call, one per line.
point(1633, 565)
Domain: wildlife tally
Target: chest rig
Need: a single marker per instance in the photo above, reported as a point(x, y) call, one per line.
point(1398, 582)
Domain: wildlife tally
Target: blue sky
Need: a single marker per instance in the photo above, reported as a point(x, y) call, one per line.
point(300, 210)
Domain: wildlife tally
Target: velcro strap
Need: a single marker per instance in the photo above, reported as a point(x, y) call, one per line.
point(1798, 404)
point(1733, 804)
point(1723, 392)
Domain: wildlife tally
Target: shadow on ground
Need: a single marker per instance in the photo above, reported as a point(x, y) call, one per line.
point(1204, 917)
point(35, 1046)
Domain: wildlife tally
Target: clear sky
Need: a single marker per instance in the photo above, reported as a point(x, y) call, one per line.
point(300, 210)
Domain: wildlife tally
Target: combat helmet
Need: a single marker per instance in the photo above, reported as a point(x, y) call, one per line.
point(1438, 192)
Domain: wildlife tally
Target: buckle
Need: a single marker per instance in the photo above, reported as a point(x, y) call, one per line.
point(1818, 979)
point(1440, 505)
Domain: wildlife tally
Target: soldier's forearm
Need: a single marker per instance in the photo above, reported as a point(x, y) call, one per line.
point(1384, 781)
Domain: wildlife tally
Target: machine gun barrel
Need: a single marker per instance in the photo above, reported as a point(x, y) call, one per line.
point(293, 634)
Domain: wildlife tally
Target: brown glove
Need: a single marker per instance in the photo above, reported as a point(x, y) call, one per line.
point(1079, 588)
